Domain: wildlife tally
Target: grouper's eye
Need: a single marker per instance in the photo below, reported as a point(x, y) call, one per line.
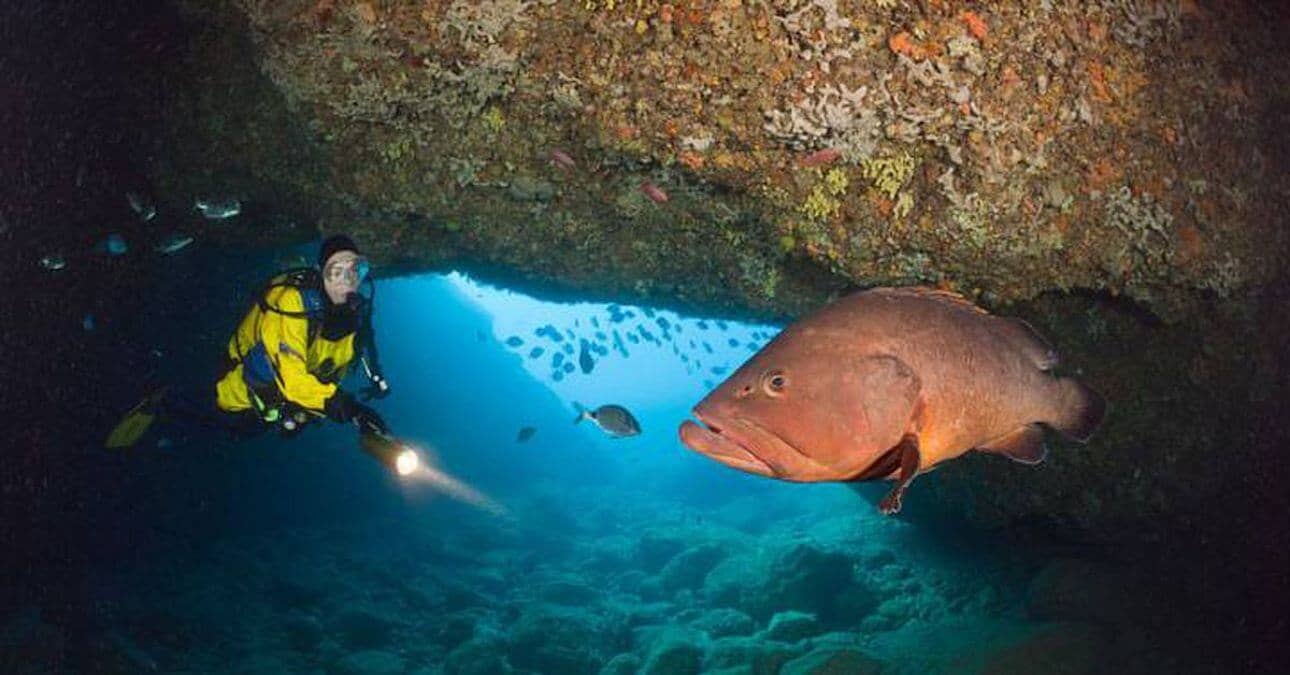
point(774, 383)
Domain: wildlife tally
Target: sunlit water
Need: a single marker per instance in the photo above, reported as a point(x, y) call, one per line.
point(564, 552)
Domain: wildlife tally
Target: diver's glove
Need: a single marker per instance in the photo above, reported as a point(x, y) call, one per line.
point(342, 407)
point(369, 422)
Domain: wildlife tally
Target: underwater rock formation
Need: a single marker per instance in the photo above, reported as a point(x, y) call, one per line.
point(1005, 152)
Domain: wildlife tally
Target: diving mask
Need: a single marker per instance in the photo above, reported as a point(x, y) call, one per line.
point(352, 272)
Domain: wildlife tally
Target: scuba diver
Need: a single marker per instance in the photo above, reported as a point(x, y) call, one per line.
point(284, 364)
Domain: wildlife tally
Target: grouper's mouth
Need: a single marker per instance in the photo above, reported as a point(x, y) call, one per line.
point(727, 443)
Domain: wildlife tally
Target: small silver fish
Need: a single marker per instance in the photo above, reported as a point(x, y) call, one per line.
point(173, 243)
point(115, 245)
point(614, 420)
point(141, 205)
point(218, 209)
point(53, 263)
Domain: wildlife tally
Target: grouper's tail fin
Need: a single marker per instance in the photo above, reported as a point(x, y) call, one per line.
point(1080, 410)
point(582, 413)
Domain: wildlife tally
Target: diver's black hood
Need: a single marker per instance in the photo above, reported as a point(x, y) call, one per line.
point(333, 245)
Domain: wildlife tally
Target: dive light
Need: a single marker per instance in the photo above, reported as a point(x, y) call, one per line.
point(399, 458)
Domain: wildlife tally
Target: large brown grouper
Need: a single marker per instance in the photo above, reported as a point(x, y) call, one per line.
point(888, 383)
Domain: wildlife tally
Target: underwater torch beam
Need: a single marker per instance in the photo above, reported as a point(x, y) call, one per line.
point(458, 490)
point(406, 462)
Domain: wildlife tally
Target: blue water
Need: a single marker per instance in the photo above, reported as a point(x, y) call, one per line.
point(206, 555)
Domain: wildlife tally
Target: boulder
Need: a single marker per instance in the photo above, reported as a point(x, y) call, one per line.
point(687, 569)
point(803, 578)
point(455, 629)
point(833, 662)
point(724, 622)
point(568, 592)
point(477, 657)
point(792, 626)
point(655, 549)
point(622, 664)
point(370, 662)
point(674, 652)
point(359, 629)
point(758, 655)
point(893, 612)
point(555, 639)
point(630, 581)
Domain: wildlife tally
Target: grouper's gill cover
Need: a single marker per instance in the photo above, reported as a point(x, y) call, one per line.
point(887, 383)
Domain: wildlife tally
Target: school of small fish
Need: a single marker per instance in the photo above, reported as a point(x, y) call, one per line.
point(114, 244)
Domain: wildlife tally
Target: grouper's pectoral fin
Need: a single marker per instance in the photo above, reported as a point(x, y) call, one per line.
point(1025, 445)
point(907, 451)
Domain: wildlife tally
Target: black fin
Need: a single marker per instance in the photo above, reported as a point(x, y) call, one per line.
point(910, 458)
point(886, 464)
point(1024, 445)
